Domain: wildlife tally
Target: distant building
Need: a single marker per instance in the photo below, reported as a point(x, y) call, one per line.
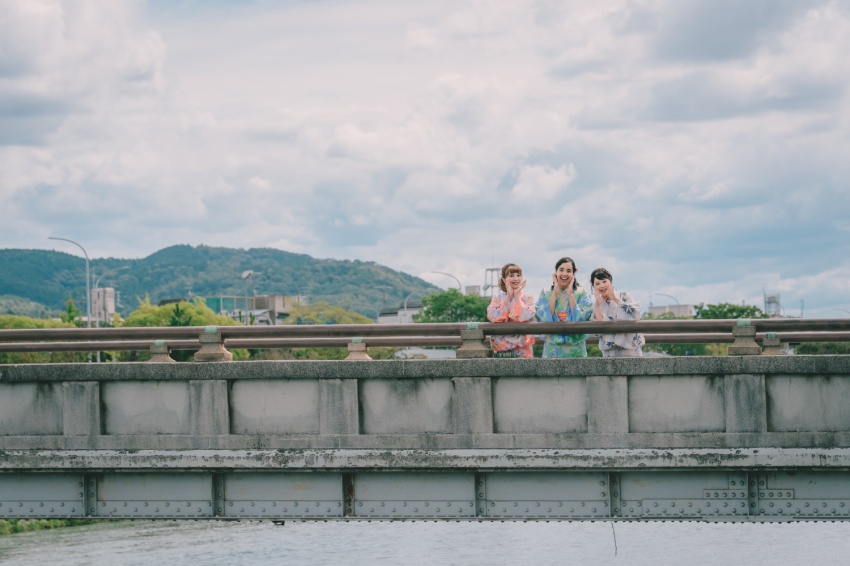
point(264, 310)
point(401, 315)
point(102, 305)
point(773, 306)
point(473, 290)
point(675, 310)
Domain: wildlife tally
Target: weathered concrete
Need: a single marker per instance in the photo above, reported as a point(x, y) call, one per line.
point(676, 403)
point(31, 409)
point(800, 403)
point(747, 401)
point(139, 407)
point(283, 406)
point(551, 405)
point(404, 406)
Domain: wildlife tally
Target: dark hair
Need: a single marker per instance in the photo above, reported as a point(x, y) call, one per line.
point(506, 269)
point(600, 273)
point(562, 261)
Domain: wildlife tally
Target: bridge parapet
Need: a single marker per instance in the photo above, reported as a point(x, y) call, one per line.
point(694, 402)
point(525, 430)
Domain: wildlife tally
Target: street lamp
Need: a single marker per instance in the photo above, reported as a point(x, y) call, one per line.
point(88, 279)
point(96, 283)
point(843, 310)
point(246, 275)
point(459, 287)
point(671, 297)
point(404, 308)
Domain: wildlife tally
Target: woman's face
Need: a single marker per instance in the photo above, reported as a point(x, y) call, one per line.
point(513, 280)
point(565, 274)
point(604, 286)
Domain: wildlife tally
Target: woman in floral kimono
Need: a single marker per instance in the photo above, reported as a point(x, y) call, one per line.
point(615, 305)
point(565, 301)
point(511, 304)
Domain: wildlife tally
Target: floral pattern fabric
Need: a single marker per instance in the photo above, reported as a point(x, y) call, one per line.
point(520, 309)
point(565, 345)
point(627, 309)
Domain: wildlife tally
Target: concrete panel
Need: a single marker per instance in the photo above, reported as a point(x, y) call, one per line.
point(539, 405)
point(137, 407)
point(31, 409)
point(406, 406)
point(687, 403)
point(283, 406)
point(808, 403)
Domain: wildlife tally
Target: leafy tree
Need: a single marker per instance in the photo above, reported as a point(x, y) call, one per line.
point(452, 306)
point(72, 313)
point(727, 310)
point(183, 313)
point(323, 313)
point(823, 348)
point(22, 322)
point(684, 349)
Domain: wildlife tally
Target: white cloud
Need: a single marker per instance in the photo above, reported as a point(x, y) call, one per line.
point(412, 134)
point(543, 183)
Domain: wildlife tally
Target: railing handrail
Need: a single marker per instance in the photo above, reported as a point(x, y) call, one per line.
point(420, 329)
point(381, 341)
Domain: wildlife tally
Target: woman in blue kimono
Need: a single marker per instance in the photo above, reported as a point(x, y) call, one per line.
point(565, 301)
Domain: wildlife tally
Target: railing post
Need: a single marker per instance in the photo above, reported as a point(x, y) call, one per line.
point(473, 343)
point(357, 350)
point(745, 401)
point(339, 410)
point(81, 408)
point(607, 404)
point(208, 407)
point(771, 344)
point(745, 339)
point(212, 347)
point(472, 405)
point(160, 352)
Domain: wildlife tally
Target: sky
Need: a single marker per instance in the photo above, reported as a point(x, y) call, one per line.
point(698, 149)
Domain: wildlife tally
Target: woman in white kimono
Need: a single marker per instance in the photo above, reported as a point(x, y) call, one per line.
point(615, 305)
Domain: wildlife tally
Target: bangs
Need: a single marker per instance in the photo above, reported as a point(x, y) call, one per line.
point(513, 269)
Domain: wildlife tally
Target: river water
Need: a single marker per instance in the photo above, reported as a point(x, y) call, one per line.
point(212, 543)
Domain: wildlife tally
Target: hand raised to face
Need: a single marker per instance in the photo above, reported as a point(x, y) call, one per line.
point(603, 289)
point(514, 283)
point(564, 278)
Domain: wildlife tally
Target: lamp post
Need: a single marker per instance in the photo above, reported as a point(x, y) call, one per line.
point(459, 286)
point(843, 310)
point(670, 297)
point(96, 283)
point(88, 279)
point(404, 308)
point(247, 275)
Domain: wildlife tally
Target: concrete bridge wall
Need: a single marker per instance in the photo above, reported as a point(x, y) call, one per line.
point(745, 438)
point(789, 401)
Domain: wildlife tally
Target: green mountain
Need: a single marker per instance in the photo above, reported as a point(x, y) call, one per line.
point(48, 278)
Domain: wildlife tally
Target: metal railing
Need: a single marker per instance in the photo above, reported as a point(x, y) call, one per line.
point(466, 336)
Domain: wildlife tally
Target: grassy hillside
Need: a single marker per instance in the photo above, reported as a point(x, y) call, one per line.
point(49, 278)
